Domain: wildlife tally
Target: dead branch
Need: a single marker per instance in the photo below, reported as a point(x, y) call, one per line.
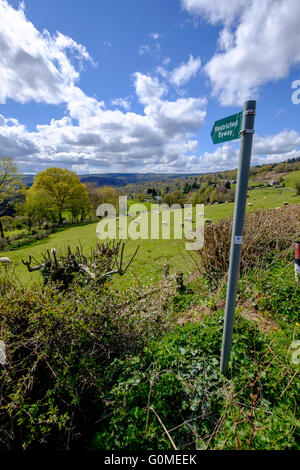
point(31, 268)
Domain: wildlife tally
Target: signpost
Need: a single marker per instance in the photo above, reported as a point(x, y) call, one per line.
point(227, 129)
point(243, 126)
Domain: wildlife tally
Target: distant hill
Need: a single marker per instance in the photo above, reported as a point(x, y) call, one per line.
point(120, 179)
point(263, 173)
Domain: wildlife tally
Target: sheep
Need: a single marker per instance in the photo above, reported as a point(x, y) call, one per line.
point(285, 203)
point(208, 221)
point(250, 204)
point(165, 223)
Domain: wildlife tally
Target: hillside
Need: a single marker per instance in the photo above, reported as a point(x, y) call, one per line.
point(119, 179)
point(152, 253)
point(99, 367)
point(263, 174)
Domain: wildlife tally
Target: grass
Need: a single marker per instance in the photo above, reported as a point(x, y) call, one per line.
point(291, 178)
point(152, 253)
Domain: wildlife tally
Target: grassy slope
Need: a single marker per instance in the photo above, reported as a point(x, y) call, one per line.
point(153, 253)
point(291, 178)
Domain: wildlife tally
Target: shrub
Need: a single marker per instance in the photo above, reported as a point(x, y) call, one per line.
point(177, 382)
point(266, 233)
point(277, 292)
point(53, 387)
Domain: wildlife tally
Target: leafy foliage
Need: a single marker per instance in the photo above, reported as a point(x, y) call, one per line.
point(63, 188)
point(59, 346)
point(177, 379)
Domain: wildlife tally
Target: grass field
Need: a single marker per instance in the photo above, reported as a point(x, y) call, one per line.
point(291, 178)
point(152, 253)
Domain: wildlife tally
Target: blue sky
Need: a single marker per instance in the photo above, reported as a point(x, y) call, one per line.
point(134, 85)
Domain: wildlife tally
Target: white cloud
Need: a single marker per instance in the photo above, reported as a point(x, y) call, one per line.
point(155, 36)
point(110, 140)
point(145, 49)
point(278, 144)
point(39, 67)
point(223, 158)
point(217, 10)
point(180, 116)
point(269, 149)
point(186, 71)
point(122, 102)
point(148, 89)
point(260, 43)
point(33, 65)
point(181, 74)
point(159, 141)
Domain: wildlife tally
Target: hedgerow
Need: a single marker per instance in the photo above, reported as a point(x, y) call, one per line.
point(58, 344)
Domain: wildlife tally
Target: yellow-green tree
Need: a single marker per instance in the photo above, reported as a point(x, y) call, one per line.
point(79, 202)
point(175, 197)
point(10, 186)
point(61, 187)
point(37, 207)
point(105, 194)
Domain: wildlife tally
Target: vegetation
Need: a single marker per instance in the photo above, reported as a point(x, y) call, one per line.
point(106, 353)
point(10, 187)
point(176, 383)
point(62, 190)
point(266, 234)
point(59, 345)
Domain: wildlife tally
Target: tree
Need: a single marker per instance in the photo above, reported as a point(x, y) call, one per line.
point(37, 207)
point(61, 187)
point(140, 197)
point(175, 197)
point(79, 202)
point(10, 186)
point(187, 188)
point(105, 194)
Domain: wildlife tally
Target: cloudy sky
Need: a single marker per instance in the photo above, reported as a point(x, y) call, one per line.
point(135, 85)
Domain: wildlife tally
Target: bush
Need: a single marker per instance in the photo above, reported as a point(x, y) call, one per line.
point(53, 387)
point(266, 234)
point(21, 239)
point(277, 292)
point(177, 382)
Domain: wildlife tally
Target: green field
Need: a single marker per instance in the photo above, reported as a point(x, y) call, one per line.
point(152, 253)
point(292, 178)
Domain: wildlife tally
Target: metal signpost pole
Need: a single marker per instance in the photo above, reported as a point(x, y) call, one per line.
point(237, 228)
point(297, 260)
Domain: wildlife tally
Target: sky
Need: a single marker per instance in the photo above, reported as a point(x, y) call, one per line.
point(136, 85)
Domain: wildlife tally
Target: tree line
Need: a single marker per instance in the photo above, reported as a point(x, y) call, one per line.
point(55, 192)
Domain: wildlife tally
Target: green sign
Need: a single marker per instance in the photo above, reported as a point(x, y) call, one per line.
point(227, 129)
